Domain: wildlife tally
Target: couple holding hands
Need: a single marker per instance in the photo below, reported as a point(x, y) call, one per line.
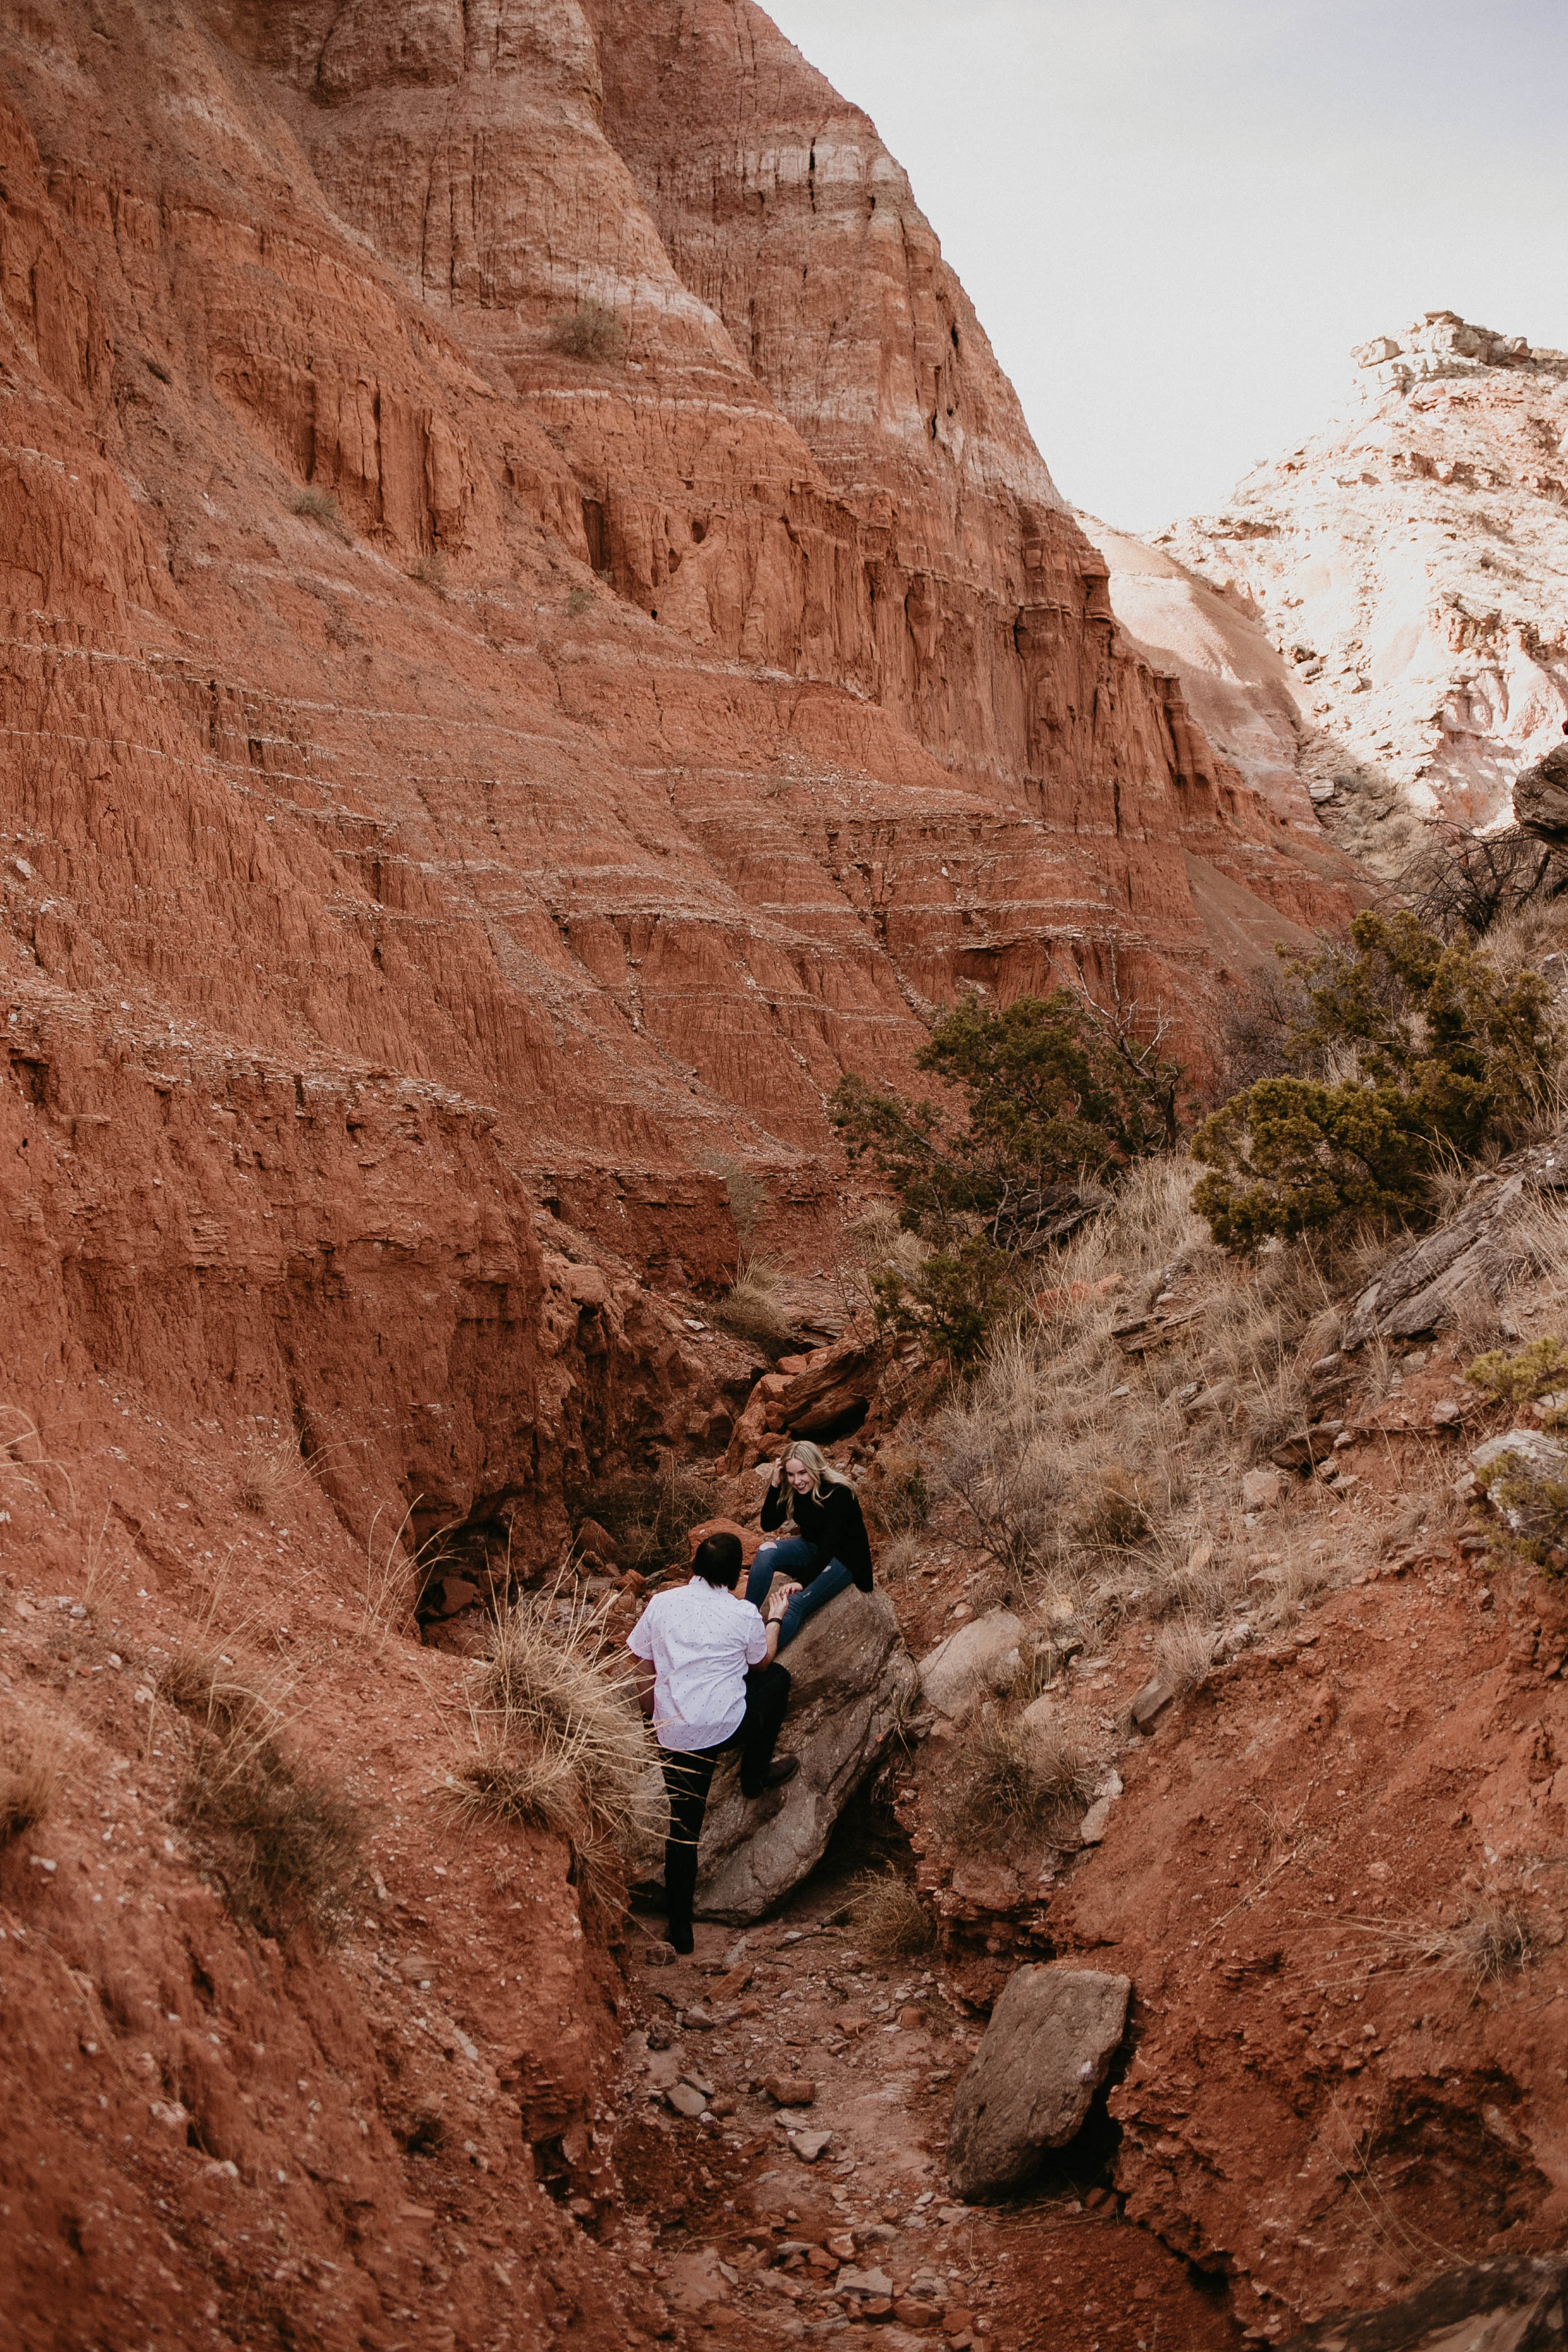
point(708, 1673)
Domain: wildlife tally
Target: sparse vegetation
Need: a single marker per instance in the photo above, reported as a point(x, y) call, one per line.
point(1010, 1778)
point(887, 1915)
point(1533, 1511)
point(580, 601)
point(430, 571)
point(1072, 1463)
point(1538, 1372)
point(269, 1475)
point(1053, 1092)
point(751, 1308)
point(592, 331)
point(284, 1841)
point(746, 1192)
point(321, 506)
point(1484, 1948)
point(31, 1779)
point(650, 1512)
point(557, 1741)
point(1059, 1098)
point(1419, 1056)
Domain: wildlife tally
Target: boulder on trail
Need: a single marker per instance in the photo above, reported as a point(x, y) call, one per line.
point(1046, 2050)
point(981, 1656)
point(850, 1678)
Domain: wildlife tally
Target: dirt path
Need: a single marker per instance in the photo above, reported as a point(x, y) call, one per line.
point(747, 2242)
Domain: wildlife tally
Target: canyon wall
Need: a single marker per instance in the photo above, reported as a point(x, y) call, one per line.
point(577, 743)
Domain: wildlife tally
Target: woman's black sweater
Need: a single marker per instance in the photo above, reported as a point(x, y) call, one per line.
point(834, 1525)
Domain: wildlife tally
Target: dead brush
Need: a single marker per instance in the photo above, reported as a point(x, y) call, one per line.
point(1009, 1780)
point(750, 1307)
point(556, 1739)
point(1482, 1949)
point(887, 1916)
point(284, 1842)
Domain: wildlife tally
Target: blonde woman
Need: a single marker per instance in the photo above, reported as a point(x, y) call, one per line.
point(826, 1547)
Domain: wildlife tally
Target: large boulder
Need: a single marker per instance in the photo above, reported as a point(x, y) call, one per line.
point(850, 1678)
point(981, 1656)
point(1046, 2050)
point(806, 1396)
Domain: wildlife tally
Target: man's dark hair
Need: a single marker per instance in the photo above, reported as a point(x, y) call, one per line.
point(717, 1559)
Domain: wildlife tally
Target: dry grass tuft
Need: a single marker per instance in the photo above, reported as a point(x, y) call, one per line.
point(1008, 1779)
point(1488, 1945)
point(284, 1842)
point(896, 1557)
point(593, 330)
point(270, 1472)
point(887, 1915)
point(391, 1577)
point(321, 506)
point(557, 1740)
point(751, 1308)
point(31, 1777)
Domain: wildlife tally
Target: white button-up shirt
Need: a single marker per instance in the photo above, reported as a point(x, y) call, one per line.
point(699, 1639)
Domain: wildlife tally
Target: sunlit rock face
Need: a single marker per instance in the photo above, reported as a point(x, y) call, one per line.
point(1409, 567)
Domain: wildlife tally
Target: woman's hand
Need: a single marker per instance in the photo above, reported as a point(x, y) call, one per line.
point(783, 1592)
point(778, 1472)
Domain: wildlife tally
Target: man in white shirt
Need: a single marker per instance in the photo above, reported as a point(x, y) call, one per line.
point(708, 1680)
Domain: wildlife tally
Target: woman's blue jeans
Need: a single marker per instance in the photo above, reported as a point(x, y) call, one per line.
point(789, 1555)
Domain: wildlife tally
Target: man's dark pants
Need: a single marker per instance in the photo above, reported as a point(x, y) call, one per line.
point(688, 1775)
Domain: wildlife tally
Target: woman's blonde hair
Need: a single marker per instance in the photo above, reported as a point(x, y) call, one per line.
point(823, 1474)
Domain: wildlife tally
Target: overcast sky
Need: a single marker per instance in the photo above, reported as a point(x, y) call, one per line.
point(1175, 216)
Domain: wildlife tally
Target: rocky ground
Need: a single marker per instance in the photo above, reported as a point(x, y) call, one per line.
point(795, 2094)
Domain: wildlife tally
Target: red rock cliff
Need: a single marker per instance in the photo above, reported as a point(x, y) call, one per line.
point(445, 769)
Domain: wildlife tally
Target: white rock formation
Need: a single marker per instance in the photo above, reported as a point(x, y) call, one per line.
point(981, 1657)
point(1408, 567)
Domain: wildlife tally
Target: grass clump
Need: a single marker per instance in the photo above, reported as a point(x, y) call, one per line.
point(888, 1916)
point(751, 1308)
point(321, 506)
point(559, 1741)
point(1016, 1778)
point(1483, 1950)
point(592, 331)
point(284, 1842)
point(31, 1779)
point(1418, 1056)
point(268, 1475)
